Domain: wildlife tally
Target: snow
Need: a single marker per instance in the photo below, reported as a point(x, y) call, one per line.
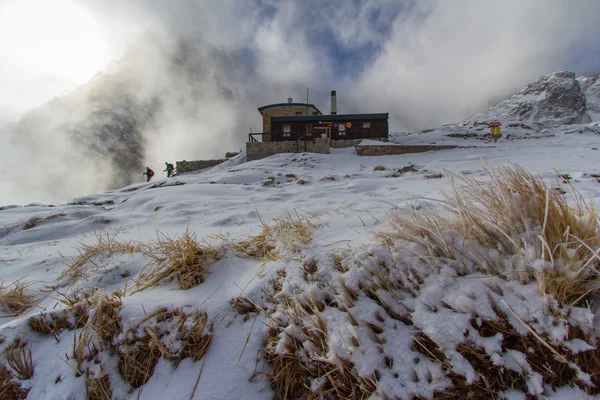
point(233, 199)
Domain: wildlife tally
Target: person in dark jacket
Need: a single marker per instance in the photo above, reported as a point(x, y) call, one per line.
point(149, 174)
point(169, 169)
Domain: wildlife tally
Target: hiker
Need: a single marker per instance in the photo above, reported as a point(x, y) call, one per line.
point(169, 169)
point(496, 130)
point(149, 174)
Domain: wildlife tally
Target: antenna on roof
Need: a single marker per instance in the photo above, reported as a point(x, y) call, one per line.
point(307, 100)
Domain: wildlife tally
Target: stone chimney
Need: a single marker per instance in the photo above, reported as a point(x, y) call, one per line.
point(333, 103)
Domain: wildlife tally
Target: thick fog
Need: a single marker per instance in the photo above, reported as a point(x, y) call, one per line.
point(182, 80)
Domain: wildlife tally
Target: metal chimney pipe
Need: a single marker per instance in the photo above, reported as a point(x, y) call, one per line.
point(290, 100)
point(333, 103)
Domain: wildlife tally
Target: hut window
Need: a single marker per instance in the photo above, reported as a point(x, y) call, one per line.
point(366, 124)
point(315, 113)
point(342, 130)
point(298, 112)
point(286, 130)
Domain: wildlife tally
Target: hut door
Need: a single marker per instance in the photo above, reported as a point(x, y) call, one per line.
point(309, 130)
point(327, 133)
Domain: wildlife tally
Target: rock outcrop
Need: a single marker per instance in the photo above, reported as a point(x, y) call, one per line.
point(554, 99)
point(590, 86)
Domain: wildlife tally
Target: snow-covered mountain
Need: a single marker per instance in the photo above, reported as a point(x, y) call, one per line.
point(556, 102)
point(553, 99)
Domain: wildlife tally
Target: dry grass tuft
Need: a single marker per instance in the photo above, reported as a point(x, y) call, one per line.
point(78, 303)
point(99, 388)
point(183, 258)
point(496, 379)
point(300, 356)
point(515, 227)
point(92, 254)
point(18, 356)
point(104, 318)
point(379, 168)
point(31, 222)
point(9, 389)
point(558, 365)
point(436, 175)
point(292, 379)
point(195, 333)
point(244, 306)
point(154, 337)
point(137, 366)
point(98, 316)
point(309, 269)
point(338, 261)
point(50, 323)
point(16, 297)
point(168, 333)
point(285, 233)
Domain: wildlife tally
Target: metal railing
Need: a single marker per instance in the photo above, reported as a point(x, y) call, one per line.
point(251, 137)
point(305, 136)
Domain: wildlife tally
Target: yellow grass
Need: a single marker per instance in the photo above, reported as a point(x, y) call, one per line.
point(52, 323)
point(104, 318)
point(557, 369)
point(285, 233)
point(16, 297)
point(18, 357)
point(503, 227)
point(90, 255)
point(182, 258)
point(9, 389)
point(142, 348)
point(294, 365)
point(99, 388)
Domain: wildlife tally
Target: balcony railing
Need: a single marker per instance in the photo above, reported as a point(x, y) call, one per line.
point(303, 136)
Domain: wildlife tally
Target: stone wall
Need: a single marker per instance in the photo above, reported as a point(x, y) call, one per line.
point(258, 150)
point(384, 150)
point(189, 166)
point(340, 144)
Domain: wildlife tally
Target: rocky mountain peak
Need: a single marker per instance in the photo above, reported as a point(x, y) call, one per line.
point(553, 99)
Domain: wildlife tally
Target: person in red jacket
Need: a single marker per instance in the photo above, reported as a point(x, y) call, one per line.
point(149, 174)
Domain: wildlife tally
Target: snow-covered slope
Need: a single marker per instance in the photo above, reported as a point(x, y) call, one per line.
point(346, 198)
point(554, 99)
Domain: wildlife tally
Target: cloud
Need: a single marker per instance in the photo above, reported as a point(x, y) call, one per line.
point(425, 62)
point(282, 50)
point(447, 60)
